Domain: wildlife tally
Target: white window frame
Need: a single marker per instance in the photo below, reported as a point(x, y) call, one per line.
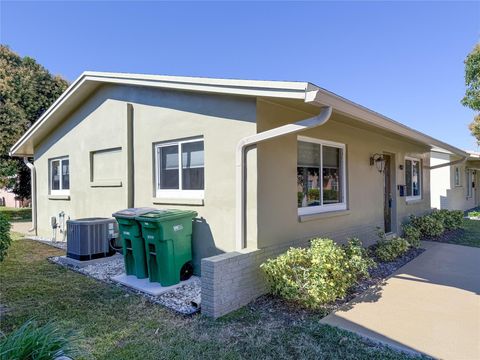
point(328, 207)
point(177, 193)
point(60, 191)
point(420, 180)
point(469, 180)
point(456, 170)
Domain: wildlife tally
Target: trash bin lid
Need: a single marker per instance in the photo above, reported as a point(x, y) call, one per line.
point(164, 215)
point(132, 212)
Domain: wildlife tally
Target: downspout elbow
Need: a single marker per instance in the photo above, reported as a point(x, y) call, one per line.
point(33, 183)
point(244, 144)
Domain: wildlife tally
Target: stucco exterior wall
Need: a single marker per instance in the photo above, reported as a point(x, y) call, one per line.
point(445, 194)
point(101, 123)
point(277, 181)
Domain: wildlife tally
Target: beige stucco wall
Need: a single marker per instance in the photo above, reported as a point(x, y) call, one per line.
point(101, 123)
point(445, 194)
point(277, 180)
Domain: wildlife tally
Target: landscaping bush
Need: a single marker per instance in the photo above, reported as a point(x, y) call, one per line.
point(31, 341)
point(5, 239)
point(390, 249)
point(319, 274)
point(17, 214)
point(451, 219)
point(412, 234)
point(428, 225)
point(474, 214)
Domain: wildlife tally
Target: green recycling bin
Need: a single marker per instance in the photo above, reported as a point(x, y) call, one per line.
point(132, 242)
point(168, 245)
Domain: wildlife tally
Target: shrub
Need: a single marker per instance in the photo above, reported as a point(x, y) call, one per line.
point(451, 219)
point(5, 239)
point(390, 249)
point(412, 234)
point(428, 225)
point(17, 214)
point(317, 275)
point(474, 214)
point(31, 341)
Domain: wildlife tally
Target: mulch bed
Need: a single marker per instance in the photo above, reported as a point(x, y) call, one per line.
point(291, 312)
point(448, 236)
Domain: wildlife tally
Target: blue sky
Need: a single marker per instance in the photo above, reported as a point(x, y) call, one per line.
point(404, 60)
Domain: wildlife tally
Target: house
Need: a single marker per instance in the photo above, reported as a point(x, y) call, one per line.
point(266, 164)
point(454, 187)
point(9, 199)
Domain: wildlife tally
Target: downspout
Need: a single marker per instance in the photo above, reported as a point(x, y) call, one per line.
point(451, 163)
point(249, 142)
point(33, 183)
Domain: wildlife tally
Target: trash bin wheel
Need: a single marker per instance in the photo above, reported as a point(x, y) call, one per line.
point(186, 271)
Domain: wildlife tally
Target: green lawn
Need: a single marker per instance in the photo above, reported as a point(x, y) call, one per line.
point(115, 325)
point(469, 235)
point(17, 214)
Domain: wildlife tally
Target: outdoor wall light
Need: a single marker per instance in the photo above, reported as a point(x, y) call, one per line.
point(379, 162)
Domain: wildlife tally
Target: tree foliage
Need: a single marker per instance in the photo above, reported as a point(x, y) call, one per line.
point(27, 89)
point(472, 93)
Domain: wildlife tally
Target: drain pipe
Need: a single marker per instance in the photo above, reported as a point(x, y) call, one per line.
point(250, 142)
point(33, 183)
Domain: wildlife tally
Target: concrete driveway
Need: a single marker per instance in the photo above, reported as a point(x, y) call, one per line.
point(431, 305)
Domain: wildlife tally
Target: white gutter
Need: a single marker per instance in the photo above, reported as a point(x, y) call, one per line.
point(33, 183)
point(249, 142)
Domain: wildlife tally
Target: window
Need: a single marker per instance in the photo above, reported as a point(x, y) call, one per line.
point(180, 169)
point(456, 176)
point(320, 176)
point(413, 178)
point(59, 176)
point(469, 183)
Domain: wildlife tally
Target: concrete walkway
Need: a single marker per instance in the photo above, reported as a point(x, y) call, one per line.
point(430, 305)
point(22, 227)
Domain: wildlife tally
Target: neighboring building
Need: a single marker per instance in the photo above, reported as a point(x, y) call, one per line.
point(113, 141)
point(9, 199)
point(455, 187)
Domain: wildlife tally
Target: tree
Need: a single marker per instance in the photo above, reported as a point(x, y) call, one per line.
point(472, 93)
point(27, 89)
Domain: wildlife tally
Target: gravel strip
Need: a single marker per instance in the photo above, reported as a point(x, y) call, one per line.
point(57, 244)
point(179, 299)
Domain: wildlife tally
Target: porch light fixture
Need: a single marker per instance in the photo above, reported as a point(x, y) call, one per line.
point(379, 162)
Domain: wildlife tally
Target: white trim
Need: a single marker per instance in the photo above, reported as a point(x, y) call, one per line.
point(176, 193)
point(309, 210)
point(82, 87)
point(420, 180)
point(60, 191)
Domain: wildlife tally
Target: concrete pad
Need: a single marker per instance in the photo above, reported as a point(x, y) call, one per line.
point(431, 305)
point(144, 285)
point(81, 264)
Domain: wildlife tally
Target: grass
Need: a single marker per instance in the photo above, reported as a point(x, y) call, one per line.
point(17, 214)
point(469, 234)
point(113, 324)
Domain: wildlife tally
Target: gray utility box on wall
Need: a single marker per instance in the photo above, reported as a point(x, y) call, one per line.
point(90, 238)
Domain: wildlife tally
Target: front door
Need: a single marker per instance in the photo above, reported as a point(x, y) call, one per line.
point(387, 194)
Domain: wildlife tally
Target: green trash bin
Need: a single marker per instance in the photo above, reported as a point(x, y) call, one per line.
point(132, 242)
point(168, 245)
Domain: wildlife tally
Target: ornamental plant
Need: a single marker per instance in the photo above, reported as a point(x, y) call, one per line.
point(318, 274)
point(389, 249)
point(429, 225)
point(412, 234)
point(451, 219)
